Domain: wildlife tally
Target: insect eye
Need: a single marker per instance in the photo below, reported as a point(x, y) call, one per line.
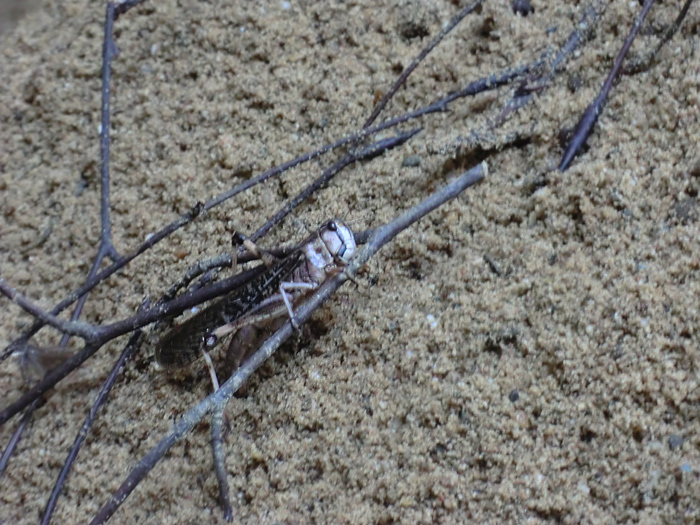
point(332, 226)
point(237, 239)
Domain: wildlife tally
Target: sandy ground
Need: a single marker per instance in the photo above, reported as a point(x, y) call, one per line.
point(526, 354)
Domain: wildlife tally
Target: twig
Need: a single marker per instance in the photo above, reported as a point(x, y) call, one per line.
point(218, 399)
point(217, 425)
point(106, 247)
point(643, 64)
point(416, 61)
point(367, 152)
point(524, 94)
point(17, 434)
point(590, 116)
point(84, 330)
point(82, 434)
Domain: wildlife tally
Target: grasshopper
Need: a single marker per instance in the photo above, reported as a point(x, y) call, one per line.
point(268, 296)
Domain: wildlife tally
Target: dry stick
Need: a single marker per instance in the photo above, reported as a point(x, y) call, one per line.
point(78, 328)
point(217, 425)
point(17, 434)
point(218, 399)
point(404, 75)
point(106, 248)
point(581, 32)
point(368, 152)
point(82, 434)
point(590, 116)
point(645, 63)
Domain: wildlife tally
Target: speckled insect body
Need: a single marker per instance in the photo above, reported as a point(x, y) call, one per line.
point(269, 295)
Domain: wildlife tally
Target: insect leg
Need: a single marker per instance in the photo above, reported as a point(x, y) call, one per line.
point(267, 258)
point(285, 288)
point(212, 371)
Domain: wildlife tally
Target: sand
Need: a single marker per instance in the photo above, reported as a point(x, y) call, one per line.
point(528, 353)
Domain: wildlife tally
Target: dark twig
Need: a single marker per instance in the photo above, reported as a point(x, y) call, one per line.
point(416, 61)
point(369, 151)
point(641, 65)
point(220, 398)
point(82, 434)
point(537, 83)
point(106, 247)
point(17, 434)
point(84, 330)
point(590, 116)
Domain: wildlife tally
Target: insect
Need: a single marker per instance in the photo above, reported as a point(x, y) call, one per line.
point(267, 296)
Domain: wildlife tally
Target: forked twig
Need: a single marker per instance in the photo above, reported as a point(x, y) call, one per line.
point(106, 247)
point(219, 399)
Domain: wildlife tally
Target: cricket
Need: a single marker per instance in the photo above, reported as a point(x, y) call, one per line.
point(268, 296)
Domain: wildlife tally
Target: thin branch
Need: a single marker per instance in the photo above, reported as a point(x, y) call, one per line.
point(82, 434)
point(370, 151)
point(219, 398)
point(524, 94)
point(590, 116)
point(217, 425)
point(17, 434)
point(106, 247)
point(643, 64)
point(416, 61)
point(84, 330)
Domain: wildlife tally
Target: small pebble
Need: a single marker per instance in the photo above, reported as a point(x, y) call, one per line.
point(675, 441)
point(514, 395)
point(411, 162)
